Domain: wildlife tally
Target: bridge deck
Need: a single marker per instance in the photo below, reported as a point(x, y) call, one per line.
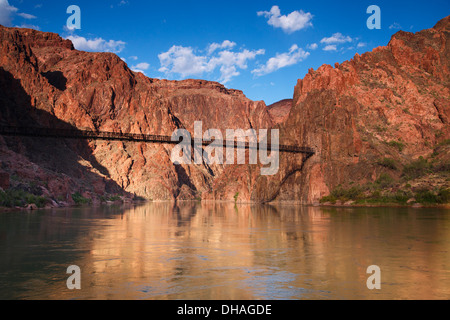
point(133, 137)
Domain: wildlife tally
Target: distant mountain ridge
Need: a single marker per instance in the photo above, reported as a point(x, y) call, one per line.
point(279, 111)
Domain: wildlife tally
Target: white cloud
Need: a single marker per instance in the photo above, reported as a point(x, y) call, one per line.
point(395, 26)
point(228, 61)
point(138, 70)
point(97, 44)
point(362, 44)
point(331, 47)
point(282, 60)
point(134, 58)
point(67, 30)
point(6, 13)
point(120, 4)
point(224, 45)
point(312, 46)
point(28, 26)
point(228, 58)
point(185, 62)
point(26, 16)
point(141, 67)
point(227, 73)
point(336, 38)
point(295, 21)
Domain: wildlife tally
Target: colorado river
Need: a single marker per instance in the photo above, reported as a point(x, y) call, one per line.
point(221, 251)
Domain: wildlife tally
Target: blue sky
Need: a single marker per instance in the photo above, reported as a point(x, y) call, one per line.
point(261, 47)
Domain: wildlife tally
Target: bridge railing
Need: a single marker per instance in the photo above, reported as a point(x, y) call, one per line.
point(137, 137)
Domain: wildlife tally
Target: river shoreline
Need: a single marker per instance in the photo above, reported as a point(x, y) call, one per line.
point(392, 205)
point(284, 203)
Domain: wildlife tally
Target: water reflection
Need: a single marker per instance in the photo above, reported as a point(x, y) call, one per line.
point(223, 251)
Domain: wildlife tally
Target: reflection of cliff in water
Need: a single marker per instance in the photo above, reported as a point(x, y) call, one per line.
point(200, 250)
point(210, 250)
point(37, 247)
point(222, 251)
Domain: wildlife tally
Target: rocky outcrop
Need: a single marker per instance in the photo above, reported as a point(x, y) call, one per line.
point(45, 82)
point(392, 102)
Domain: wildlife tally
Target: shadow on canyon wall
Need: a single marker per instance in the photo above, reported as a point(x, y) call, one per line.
point(60, 156)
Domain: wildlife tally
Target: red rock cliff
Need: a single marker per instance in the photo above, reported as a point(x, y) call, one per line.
point(392, 102)
point(54, 85)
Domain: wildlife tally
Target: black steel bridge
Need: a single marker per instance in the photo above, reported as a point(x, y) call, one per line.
point(133, 137)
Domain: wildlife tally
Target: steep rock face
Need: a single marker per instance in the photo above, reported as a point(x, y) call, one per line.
point(280, 110)
point(54, 85)
point(392, 102)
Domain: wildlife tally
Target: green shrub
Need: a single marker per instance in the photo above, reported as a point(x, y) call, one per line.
point(406, 110)
point(107, 198)
point(330, 199)
point(388, 163)
point(402, 197)
point(384, 181)
point(396, 144)
point(378, 197)
point(443, 167)
point(444, 143)
point(380, 129)
point(79, 199)
point(376, 194)
point(354, 193)
point(444, 196)
point(19, 198)
point(114, 198)
point(341, 193)
point(417, 169)
point(426, 197)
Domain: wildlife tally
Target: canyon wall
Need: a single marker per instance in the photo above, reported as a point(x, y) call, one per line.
point(391, 102)
point(45, 82)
